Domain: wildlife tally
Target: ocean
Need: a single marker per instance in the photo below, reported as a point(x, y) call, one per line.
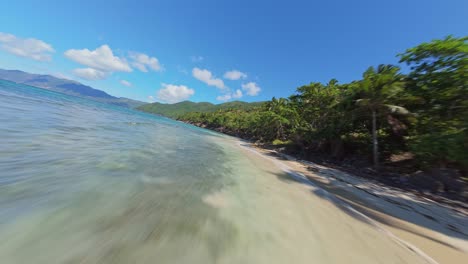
point(86, 182)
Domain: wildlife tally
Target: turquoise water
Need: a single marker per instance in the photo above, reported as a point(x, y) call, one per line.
point(71, 156)
point(84, 182)
point(54, 145)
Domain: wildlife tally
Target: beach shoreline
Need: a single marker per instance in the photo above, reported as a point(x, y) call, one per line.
point(426, 183)
point(438, 232)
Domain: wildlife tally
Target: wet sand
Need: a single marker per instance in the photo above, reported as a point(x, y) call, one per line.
point(434, 232)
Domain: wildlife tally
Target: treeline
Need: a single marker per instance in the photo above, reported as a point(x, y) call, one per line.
point(423, 112)
point(181, 108)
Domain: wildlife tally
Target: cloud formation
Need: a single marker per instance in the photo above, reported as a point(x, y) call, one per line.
point(101, 59)
point(90, 74)
point(234, 75)
point(29, 48)
point(126, 83)
point(226, 97)
point(251, 88)
point(207, 77)
point(101, 62)
point(171, 93)
point(61, 75)
point(144, 62)
point(237, 94)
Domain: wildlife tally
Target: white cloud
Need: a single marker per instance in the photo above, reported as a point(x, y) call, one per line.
point(171, 93)
point(150, 98)
point(142, 62)
point(234, 75)
point(5, 37)
point(226, 97)
point(251, 88)
point(126, 83)
point(61, 75)
point(29, 48)
point(237, 94)
point(90, 74)
point(196, 58)
point(208, 78)
point(101, 59)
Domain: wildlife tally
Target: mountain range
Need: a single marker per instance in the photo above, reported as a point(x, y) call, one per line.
point(66, 87)
point(75, 88)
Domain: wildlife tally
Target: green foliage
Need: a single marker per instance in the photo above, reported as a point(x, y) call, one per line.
point(376, 91)
point(177, 109)
point(424, 111)
point(278, 142)
point(438, 86)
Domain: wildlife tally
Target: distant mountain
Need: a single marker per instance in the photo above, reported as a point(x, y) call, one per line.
point(177, 109)
point(67, 87)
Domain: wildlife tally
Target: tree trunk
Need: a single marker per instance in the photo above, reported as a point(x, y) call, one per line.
point(375, 143)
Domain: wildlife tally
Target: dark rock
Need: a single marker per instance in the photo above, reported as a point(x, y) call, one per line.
point(439, 180)
point(450, 178)
point(424, 181)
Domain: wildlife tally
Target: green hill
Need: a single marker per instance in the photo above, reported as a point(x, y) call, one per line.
point(177, 109)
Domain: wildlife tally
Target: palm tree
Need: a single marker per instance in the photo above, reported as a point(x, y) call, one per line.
point(376, 91)
point(278, 107)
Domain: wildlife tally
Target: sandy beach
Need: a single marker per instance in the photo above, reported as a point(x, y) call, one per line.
point(435, 233)
point(89, 191)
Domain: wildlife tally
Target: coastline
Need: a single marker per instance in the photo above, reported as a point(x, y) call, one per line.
point(438, 232)
point(389, 179)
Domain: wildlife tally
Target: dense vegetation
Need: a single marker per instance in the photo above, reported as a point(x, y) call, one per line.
point(178, 109)
point(386, 113)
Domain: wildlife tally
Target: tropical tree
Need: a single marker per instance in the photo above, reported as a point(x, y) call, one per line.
point(375, 93)
point(343, 118)
point(439, 78)
point(282, 116)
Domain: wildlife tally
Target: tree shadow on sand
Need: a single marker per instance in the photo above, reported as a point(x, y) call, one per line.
point(382, 207)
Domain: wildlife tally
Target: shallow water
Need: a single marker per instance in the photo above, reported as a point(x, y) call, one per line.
point(84, 182)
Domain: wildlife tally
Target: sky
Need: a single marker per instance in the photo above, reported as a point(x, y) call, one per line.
point(216, 51)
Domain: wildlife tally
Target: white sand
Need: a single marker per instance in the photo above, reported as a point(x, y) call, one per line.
point(435, 232)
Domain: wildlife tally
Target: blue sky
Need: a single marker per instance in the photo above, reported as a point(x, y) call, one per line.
point(216, 50)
